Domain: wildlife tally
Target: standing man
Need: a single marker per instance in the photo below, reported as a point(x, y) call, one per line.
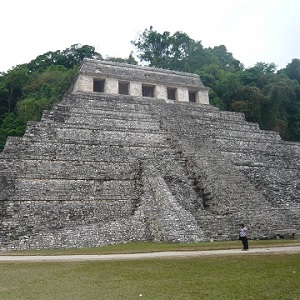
point(243, 236)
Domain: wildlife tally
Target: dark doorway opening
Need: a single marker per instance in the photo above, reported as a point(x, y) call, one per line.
point(192, 96)
point(148, 90)
point(124, 88)
point(171, 93)
point(99, 85)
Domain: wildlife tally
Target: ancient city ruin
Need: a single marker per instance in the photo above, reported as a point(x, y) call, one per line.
point(136, 154)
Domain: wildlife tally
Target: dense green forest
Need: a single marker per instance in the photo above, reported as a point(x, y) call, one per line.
point(267, 96)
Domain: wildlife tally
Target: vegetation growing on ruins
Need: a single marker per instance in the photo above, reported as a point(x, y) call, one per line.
point(268, 96)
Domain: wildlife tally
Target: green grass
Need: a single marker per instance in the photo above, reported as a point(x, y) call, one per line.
point(142, 247)
point(247, 276)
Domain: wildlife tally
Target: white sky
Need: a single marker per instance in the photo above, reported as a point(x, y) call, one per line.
point(253, 30)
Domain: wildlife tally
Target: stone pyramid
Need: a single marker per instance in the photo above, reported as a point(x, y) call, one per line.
point(136, 154)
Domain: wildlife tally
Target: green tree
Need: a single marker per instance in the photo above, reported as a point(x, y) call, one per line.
point(154, 48)
point(211, 76)
point(225, 58)
point(249, 100)
point(186, 54)
point(12, 125)
point(11, 87)
point(68, 58)
point(3, 96)
point(176, 52)
point(259, 75)
point(31, 109)
point(280, 93)
point(293, 130)
point(227, 88)
point(50, 84)
point(292, 70)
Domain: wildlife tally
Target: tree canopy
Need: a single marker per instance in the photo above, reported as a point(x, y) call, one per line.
point(180, 52)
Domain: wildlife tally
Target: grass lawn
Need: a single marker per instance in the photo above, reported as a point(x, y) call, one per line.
point(250, 276)
point(144, 247)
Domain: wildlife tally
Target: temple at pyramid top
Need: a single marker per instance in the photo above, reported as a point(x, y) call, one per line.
point(124, 79)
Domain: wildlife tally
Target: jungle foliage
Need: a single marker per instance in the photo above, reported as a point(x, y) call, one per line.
point(267, 96)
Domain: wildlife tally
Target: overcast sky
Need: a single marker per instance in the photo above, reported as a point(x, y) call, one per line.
point(253, 30)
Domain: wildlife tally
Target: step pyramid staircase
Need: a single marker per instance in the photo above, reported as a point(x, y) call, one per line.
point(101, 169)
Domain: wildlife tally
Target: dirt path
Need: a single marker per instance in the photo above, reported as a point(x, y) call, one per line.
point(172, 254)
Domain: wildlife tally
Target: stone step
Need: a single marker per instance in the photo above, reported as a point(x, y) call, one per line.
point(113, 114)
point(242, 135)
point(28, 148)
point(95, 124)
point(99, 115)
point(221, 130)
point(113, 102)
point(69, 189)
point(190, 106)
point(216, 116)
point(226, 137)
point(204, 122)
point(83, 114)
point(259, 159)
point(96, 99)
point(66, 213)
point(116, 105)
point(193, 112)
point(86, 132)
point(217, 128)
point(70, 169)
point(103, 137)
point(218, 131)
point(258, 147)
